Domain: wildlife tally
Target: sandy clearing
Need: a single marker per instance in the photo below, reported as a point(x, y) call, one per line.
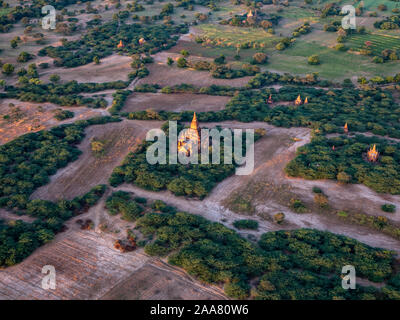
point(175, 102)
point(9, 216)
point(34, 120)
point(112, 68)
point(88, 171)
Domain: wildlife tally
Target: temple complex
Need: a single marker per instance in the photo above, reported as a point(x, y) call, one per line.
point(373, 154)
point(298, 101)
point(191, 138)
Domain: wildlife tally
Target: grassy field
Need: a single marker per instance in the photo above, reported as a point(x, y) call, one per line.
point(229, 36)
point(379, 42)
point(334, 65)
point(372, 5)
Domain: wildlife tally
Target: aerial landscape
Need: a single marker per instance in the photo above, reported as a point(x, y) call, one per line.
point(199, 150)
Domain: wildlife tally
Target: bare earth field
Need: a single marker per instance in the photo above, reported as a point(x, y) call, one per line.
point(111, 68)
point(89, 170)
point(34, 120)
point(174, 102)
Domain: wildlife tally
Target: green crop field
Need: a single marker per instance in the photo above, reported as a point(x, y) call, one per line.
point(227, 36)
point(372, 5)
point(379, 42)
point(334, 64)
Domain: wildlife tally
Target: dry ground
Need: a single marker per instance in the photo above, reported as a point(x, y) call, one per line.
point(88, 267)
point(89, 170)
point(111, 68)
point(175, 102)
point(34, 120)
point(165, 75)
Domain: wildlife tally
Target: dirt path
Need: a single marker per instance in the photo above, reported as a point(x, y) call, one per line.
point(9, 216)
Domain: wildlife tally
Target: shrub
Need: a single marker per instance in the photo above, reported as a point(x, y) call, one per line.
point(317, 190)
point(314, 60)
point(63, 114)
point(298, 206)
point(246, 224)
point(279, 217)
point(260, 58)
point(8, 69)
point(181, 62)
point(321, 200)
point(388, 207)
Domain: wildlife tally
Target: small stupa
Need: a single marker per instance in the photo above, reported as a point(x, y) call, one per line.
point(298, 101)
point(373, 154)
point(346, 128)
point(269, 101)
point(120, 44)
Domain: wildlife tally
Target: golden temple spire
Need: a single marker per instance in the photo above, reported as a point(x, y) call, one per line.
point(373, 154)
point(194, 124)
point(298, 101)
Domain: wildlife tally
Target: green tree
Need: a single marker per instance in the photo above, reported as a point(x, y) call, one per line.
point(181, 62)
point(54, 78)
point(8, 68)
point(314, 60)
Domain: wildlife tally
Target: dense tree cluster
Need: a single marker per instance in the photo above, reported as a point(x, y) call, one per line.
point(66, 94)
point(292, 264)
point(327, 158)
point(63, 114)
point(389, 23)
point(101, 41)
point(118, 103)
point(120, 202)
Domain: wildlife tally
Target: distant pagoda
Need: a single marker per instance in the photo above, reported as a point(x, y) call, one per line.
point(298, 101)
point(306, 100)
point(346, 128)
point(373, 154)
